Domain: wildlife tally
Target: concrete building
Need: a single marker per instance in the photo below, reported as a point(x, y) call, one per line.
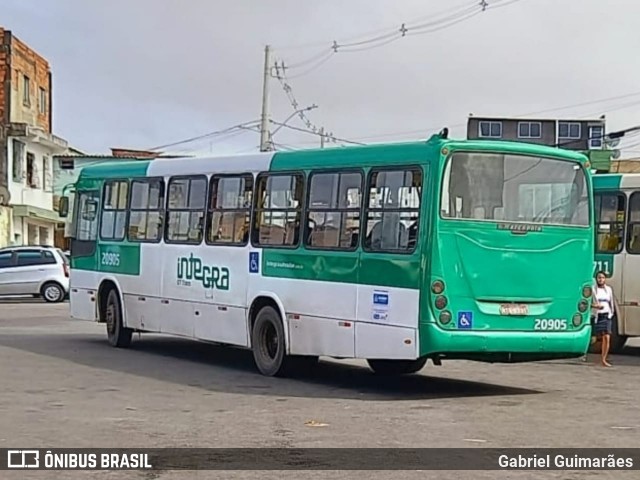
point(587, 136)
point(27, 145)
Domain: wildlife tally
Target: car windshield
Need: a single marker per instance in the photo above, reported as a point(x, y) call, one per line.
point(515, 188)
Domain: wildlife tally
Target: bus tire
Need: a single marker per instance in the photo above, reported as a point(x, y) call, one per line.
point(119, 336)
point(617, 341)
point(268, 343)
point(397, 367)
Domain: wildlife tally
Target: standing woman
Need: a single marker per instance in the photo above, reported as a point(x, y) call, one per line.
point(604, 303)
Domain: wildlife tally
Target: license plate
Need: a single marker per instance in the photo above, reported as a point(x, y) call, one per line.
point(512, 309)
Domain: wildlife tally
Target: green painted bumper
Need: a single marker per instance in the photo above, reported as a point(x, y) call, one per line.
point(503, 346)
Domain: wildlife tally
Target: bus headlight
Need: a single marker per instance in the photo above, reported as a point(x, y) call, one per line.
point(586, 291)
point(441, 302)
point(577, 320)
point(437, 287)
point(445, 317)
point(583, 306)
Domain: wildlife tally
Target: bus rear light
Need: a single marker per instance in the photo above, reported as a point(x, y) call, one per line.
point(445, 317)
point(437, 287)
point(577, 320)
point(441, 302)
point(586, 291)
point(583, 306)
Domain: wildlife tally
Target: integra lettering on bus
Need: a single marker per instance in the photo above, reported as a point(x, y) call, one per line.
point(191, 268)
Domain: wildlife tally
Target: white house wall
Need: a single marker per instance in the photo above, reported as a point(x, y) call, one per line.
point(21, 194)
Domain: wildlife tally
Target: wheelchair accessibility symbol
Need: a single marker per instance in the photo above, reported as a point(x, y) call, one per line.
point(254, 262)
point(465, 320)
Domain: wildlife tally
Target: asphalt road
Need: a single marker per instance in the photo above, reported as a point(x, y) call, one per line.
point(62, 385)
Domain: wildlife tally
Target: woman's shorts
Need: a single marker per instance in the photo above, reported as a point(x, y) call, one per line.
point(602, 325)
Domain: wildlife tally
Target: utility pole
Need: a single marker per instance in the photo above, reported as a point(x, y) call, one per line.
point(264, 118)
point(321, 137)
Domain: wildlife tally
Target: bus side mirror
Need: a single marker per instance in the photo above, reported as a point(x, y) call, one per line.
point(63, 207)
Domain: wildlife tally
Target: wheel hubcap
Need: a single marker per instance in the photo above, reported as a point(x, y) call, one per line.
point(52, 293)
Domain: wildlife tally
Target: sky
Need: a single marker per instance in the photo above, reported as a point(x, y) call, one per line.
point(146, 73)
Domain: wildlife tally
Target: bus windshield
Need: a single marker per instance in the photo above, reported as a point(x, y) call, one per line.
point(515, 188)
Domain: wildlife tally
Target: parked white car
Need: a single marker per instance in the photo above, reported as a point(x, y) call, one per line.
point(38, 271)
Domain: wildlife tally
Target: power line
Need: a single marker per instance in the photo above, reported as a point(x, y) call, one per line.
point(321, 43)
point(280, 73)
point(291, 127)
point(529, 114)
point(453, 16)
point(582, 104)
point(205, 135)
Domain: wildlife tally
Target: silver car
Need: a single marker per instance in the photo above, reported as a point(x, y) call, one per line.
point(38, 271)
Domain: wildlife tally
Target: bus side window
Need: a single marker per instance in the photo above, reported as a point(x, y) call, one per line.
point(633, 228)
point(115, 200)
point(333, 210)
point(229, 209)
point(393, 206)
point(147, 205)
point(610, 221)
point(185, 210)
point(278, 209)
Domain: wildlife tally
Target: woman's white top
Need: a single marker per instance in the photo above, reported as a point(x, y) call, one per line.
point(604, 297)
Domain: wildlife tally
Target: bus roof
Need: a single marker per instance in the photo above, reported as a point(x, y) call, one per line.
point(355, 156)
point(614, 181)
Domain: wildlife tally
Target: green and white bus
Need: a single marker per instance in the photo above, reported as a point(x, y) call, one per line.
point(617, 208)
point(396, 253)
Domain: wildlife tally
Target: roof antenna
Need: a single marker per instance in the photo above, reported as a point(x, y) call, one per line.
point(444, 133)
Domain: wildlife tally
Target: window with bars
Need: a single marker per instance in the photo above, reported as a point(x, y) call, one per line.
point(393, 210)
point(333, 210)
point(185, 210)
point(610, 219)
point(229, 212)
point(147, 205)
point(114, 210)
point(278, 205)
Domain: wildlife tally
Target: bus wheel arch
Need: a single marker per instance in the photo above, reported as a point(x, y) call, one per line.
point(268, 330)
point(101, 298)
point(111, 312)
point(266, 300)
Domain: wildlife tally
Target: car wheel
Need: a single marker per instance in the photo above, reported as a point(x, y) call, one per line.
point(52, 292)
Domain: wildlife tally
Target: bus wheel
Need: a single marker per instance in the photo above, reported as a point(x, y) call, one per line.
point(397, 367)
point(267, 338)
point(118, 334)
point(617, 340)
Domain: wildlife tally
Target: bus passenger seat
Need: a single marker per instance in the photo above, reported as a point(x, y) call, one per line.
point(325, 236)
point(390, 233)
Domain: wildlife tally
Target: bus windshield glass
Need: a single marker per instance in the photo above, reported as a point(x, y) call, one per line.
point(514, 188)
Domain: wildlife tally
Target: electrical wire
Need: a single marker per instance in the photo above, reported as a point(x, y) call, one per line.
point(205, 135)
point(291, 127)
point(467, 4)
point(461, 14)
